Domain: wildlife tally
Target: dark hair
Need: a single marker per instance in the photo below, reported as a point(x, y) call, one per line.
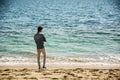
point(40, 28)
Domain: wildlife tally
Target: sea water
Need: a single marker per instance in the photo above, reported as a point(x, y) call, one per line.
point(73, 28)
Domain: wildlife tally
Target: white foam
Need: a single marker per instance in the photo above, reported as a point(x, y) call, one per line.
point(81, 61)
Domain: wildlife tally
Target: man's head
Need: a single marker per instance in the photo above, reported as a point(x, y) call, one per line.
point(40, 28)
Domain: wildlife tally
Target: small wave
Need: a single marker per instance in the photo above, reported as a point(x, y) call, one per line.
point(92, 22)
point(16, 60)
point(56, 58)
point(103, 33)
point(31, 60)
point(117, 40)
point(115, 30)
point(117, 34)
point(5, 28)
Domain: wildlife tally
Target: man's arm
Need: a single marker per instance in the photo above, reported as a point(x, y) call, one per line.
point(44, 39)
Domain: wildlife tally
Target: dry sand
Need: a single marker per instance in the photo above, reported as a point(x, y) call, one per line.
point(57, 73)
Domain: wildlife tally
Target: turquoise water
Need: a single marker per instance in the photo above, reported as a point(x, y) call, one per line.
point(70, 26)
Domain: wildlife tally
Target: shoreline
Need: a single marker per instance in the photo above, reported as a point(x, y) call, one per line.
point(53, 61)
point(25, 68)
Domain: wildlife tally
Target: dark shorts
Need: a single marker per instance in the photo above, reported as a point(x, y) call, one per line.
point(40, 46)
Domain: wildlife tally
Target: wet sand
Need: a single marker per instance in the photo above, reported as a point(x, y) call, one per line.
point(57, 73)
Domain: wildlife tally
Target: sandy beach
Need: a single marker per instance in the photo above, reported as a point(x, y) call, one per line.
point(25, 68)
point(57, 73)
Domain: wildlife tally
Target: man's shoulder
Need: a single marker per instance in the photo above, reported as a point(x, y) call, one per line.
point(36, 34)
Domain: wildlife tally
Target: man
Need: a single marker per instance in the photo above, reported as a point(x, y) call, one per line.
point(39, 40)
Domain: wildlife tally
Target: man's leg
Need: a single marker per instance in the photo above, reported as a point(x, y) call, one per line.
point(44, 56)
point(38, 58)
